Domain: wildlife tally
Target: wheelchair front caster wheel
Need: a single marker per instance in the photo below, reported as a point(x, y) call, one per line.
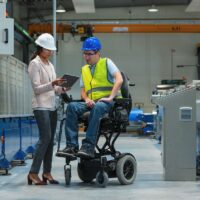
point(67, 176)
point(102, 179)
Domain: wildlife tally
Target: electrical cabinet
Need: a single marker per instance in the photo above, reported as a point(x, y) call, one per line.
point(6, 31)
point(7, 36)
point(178, 134)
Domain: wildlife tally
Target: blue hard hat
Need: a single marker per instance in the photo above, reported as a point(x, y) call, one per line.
point(91, 44)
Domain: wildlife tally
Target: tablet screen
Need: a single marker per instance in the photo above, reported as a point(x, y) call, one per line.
point(70, 80)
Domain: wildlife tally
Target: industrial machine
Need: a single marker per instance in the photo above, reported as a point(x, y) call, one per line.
point(179, 109)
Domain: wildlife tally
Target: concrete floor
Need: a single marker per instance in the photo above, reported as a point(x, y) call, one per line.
point(149, 183)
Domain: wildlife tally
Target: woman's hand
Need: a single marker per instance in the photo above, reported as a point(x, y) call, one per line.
point(64, 89)
point(58, 81)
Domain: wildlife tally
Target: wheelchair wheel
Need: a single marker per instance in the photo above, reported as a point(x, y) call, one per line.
point(67, 176)
point(102, 179)
point(126, 169)
point(85, 174)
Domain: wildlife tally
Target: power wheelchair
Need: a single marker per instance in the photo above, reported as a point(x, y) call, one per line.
point(108, 162)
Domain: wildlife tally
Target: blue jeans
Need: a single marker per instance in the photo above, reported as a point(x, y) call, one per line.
point(74, 111)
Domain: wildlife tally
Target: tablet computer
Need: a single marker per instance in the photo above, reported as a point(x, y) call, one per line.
point(70, 80)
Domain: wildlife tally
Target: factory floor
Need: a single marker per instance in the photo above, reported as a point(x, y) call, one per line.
point(149, 183)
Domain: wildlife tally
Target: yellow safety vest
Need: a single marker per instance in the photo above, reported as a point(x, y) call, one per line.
point(97, 85)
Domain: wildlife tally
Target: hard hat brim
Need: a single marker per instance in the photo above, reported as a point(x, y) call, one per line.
point(51, 49)
point(89, 49)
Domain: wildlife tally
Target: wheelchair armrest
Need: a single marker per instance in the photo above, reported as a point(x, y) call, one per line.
point(122, 102)
point(120, 110)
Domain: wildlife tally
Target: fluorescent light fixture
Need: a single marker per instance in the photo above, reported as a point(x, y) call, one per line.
point(60, 9)
point(194, 6)
point(153, 9)
point(84, 6)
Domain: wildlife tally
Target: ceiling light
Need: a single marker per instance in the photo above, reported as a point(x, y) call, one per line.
point(153, 9)
point(60, 9)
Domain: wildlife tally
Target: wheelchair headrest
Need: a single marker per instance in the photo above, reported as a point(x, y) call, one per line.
point(124, 87)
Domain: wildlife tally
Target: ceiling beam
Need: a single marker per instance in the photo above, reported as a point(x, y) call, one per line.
point(121, 28)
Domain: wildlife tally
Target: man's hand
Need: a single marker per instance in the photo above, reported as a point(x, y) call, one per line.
point(90, 103)
point(106, 99)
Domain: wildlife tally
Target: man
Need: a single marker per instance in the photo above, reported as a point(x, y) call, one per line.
point(100, 84)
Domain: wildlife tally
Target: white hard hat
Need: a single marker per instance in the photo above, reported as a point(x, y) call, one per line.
point(46, 41)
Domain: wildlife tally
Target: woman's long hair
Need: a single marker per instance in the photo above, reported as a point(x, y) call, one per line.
point(37, 52)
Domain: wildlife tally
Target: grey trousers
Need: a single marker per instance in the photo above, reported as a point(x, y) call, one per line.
point(46, 121)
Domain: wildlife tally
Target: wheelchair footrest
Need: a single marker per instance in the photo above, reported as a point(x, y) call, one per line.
point(64, 155)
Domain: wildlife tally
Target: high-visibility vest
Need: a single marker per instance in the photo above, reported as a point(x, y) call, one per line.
point(97, 85)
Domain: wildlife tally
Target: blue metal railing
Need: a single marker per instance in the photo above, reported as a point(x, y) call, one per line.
point(18, 138)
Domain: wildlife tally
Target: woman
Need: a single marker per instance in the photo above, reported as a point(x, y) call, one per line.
point(44, 84)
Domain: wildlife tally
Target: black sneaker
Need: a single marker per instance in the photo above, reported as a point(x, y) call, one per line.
point(86, 151)
point(69, 151)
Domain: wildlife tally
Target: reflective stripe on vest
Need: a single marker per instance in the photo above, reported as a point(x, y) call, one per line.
point(103, 89)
